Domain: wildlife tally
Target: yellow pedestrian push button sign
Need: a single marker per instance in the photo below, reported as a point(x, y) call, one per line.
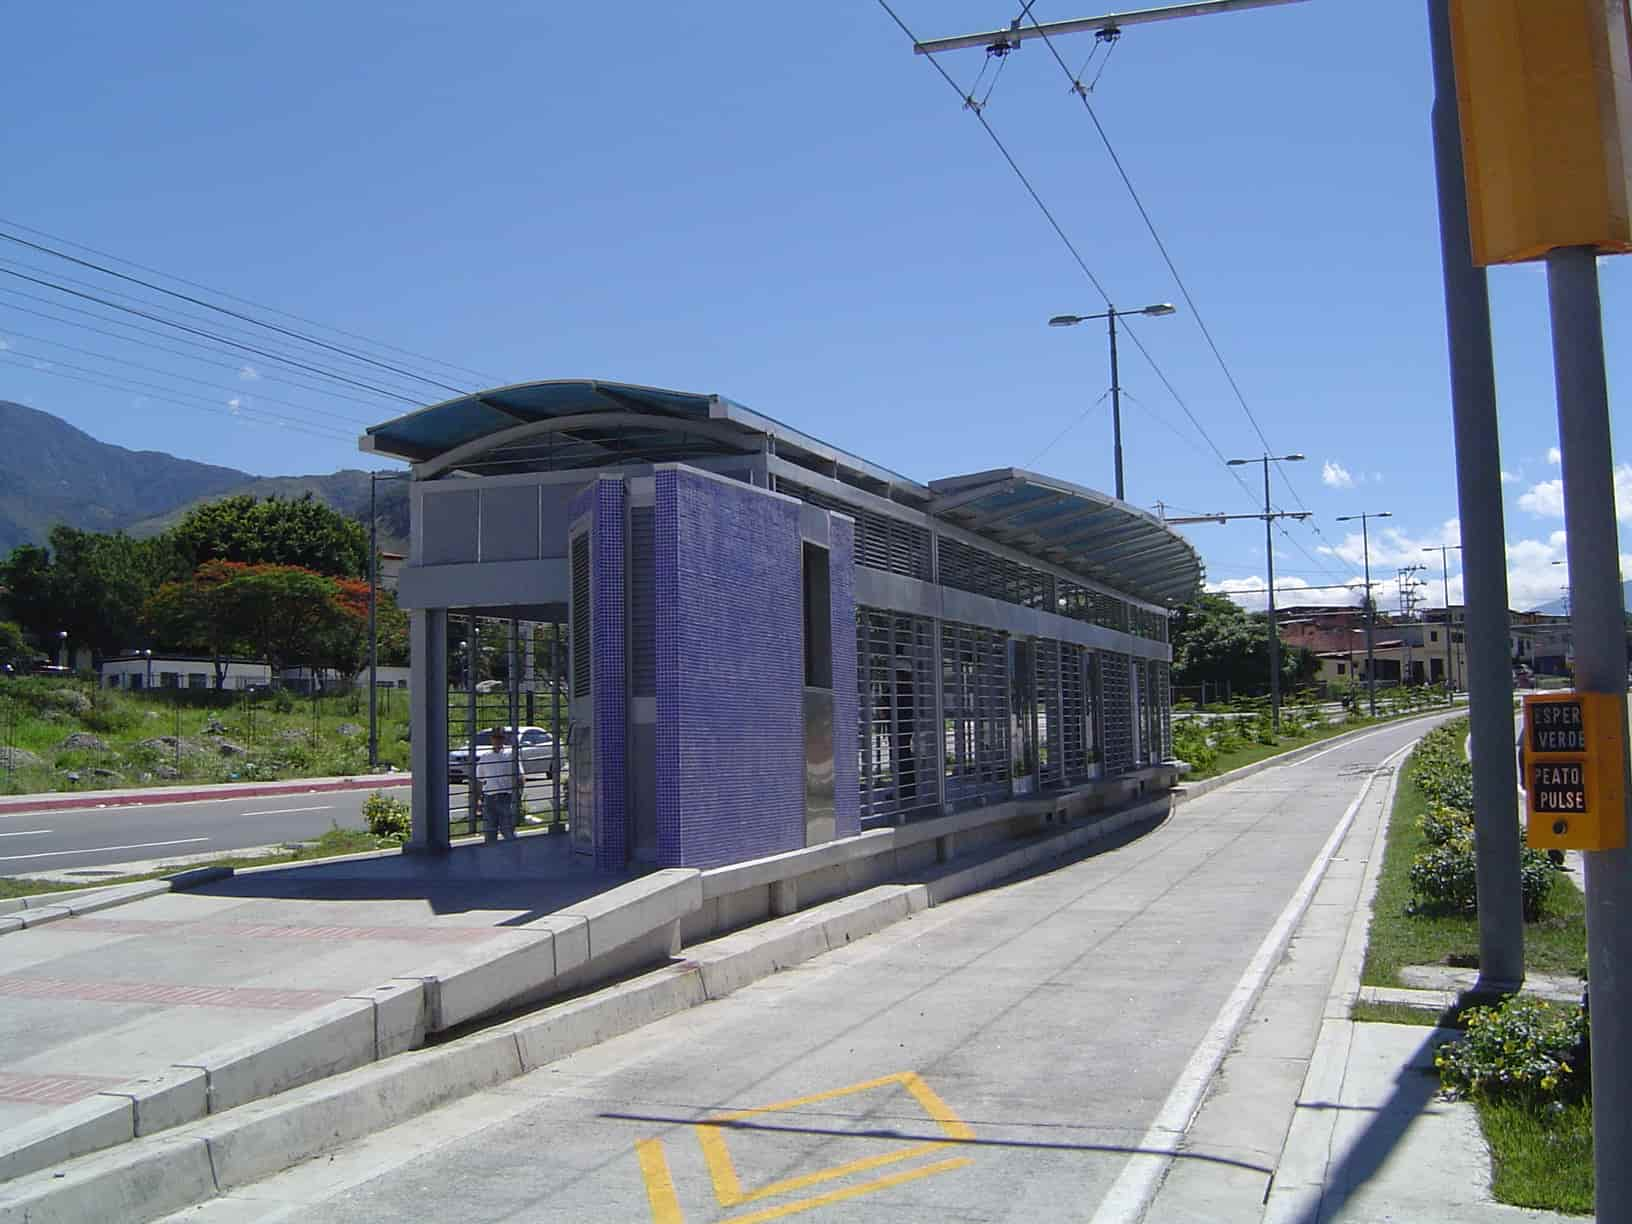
point(1574, 771)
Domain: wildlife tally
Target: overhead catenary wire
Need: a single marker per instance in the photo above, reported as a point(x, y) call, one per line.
point(1082, 93)
point(489, 379)
point(1071, 247)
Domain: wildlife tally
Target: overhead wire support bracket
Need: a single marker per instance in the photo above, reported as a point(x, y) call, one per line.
point(1014, 37)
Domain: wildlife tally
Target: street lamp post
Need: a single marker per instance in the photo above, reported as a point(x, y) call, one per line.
point(1444, 551)
point(1156, 310)
point(62, 647)
point(149, 655)
point(1269, 560)
point(1365, 541)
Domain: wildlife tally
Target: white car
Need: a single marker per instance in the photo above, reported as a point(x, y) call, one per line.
point(537, 753)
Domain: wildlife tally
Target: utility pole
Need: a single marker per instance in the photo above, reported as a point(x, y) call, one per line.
point(1371, 604)
point(1408, 584)
point(1444, 551)
point(1484, 537)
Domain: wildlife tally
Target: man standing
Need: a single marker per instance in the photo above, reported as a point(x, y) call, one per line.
point(496, 770)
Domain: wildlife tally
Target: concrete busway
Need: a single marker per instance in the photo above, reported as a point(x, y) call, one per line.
point(667, 902)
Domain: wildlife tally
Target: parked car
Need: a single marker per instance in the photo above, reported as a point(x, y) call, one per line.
point(537, 753)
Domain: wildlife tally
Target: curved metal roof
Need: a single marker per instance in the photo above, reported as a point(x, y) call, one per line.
point(590, 423)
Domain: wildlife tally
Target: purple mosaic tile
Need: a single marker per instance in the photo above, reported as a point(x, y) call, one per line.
point(607, 644)
point(730, 675)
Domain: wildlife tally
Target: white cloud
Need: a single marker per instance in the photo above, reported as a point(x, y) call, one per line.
point(1392, 547)
point(1553, 456)
point(248, 373)
point(1334, 475)
point(4, 344)
point(1546, 500)
point(234, 404)
point(1511, 477)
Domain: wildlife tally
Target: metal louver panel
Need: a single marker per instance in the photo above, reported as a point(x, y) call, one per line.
point(896, 677)
point(581, 669)
point(1075, 716)
point(973, 569)
point(882, 542)
point(975, 703)
point(1117, 713)
point(1050, 714)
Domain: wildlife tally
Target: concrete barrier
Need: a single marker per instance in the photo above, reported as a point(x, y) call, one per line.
point(311, 1046)
point(271, 1135)
point(608, 1013)
point(85, 1126)
point(170, 1098)
point(142, 1181)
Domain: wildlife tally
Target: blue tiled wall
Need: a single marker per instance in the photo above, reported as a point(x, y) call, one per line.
point(730, 674)
point(607, 644)
point(846, 765)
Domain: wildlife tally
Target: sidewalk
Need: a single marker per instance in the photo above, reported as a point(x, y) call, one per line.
point(51, 801)
point(1315, 1118)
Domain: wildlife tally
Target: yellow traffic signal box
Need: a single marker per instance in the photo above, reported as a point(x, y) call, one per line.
point(1544, 88)
point(1574, 771)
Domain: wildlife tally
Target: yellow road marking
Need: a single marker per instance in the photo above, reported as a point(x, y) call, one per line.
point(654, 1167)
point(728, 1188)
point(850, 1192)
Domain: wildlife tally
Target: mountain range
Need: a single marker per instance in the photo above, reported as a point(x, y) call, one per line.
point(51, 472)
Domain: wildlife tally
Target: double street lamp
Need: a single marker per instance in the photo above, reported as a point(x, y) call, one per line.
point(1110, 316)
point(1270, 515)
point(1365, 543)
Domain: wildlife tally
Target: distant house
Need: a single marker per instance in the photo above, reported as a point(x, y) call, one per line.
point(133, 672)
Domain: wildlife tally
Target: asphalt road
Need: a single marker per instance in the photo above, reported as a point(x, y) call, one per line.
point(97, 837)
point(1007, 1056)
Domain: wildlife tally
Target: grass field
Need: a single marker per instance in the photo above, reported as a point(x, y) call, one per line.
point(70, 735)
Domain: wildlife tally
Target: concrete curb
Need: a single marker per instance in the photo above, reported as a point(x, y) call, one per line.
point(54, 801)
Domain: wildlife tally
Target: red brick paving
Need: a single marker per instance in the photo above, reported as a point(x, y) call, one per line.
point(259, 998)
point(51, 1089)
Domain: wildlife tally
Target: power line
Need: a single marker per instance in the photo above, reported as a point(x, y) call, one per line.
point(227, 310)
point(232, 297)
point(214, 351)
point(248, 348)
point(203, 382)
point(168, 396)
point(230, 332)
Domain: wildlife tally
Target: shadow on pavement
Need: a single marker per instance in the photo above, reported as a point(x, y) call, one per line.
point(534, 874)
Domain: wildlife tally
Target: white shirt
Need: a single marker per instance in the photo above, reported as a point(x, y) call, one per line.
point(496, 769)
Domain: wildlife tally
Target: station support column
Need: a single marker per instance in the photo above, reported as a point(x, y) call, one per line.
point(428, 729)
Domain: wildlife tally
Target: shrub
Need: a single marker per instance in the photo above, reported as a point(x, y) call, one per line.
point(387, 818)
point(1525, 1050)
point(1190, 744)
point(1442, 825)
point(1444, 880)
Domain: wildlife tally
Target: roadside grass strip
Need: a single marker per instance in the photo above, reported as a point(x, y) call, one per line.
point(1541, 1152)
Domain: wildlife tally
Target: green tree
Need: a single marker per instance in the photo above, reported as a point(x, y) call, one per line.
point(1216, 641)
point(15, 651)
point(277, 531)
point(90, 584)
point(191, 615)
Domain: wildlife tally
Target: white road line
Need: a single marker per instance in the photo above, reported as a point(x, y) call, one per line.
point(26, 833)
point(12, 858)
point(1131, 1194)
point(282, 811)
point(164, 803)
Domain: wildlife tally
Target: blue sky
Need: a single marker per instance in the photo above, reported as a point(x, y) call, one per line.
point(785, 206)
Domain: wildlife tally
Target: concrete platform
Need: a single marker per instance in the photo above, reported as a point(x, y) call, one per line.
point(87, 1003)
